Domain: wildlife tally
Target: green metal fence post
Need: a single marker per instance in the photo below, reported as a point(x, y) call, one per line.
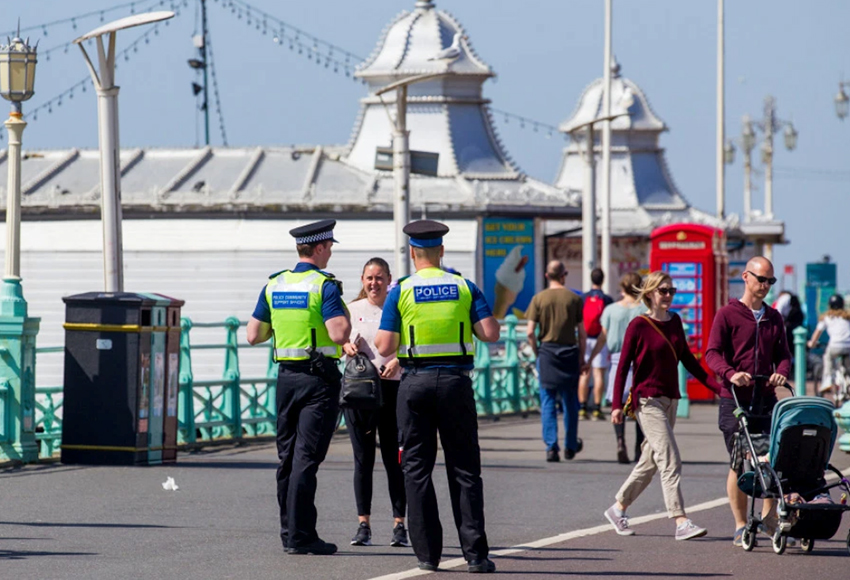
point(800, 360)
point(483, 378)
point(232, 397)
point(186, 403)
point(684, 410)
point(512, 363)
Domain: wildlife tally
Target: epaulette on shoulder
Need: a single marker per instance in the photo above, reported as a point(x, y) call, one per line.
point(276, 274)
point(402, 279)
point(328, 274)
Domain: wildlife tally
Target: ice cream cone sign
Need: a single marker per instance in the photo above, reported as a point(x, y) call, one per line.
point(510, 278)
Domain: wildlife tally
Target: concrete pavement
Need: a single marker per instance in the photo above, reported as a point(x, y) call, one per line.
point(101, 522)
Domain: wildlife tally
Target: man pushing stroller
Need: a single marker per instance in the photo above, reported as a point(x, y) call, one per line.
point(748, 340)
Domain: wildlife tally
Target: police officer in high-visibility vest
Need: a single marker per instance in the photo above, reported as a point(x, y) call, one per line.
point(302, 311)
point(429, 319)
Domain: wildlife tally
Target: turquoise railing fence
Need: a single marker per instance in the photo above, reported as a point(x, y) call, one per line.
point(235, 407)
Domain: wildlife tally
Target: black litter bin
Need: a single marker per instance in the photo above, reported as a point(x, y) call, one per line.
point(108, 379)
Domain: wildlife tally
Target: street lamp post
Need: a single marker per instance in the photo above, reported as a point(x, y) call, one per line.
point(110, 150)
point(401, 165)
point(769, 125)
point(17, 330)
point(748, 143)
point(589, 259)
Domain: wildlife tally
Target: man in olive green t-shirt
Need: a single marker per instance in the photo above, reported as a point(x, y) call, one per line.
point(560, 352)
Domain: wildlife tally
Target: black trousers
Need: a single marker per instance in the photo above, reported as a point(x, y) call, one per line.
point(362, 428)
point(307, 408)
point(441, 400)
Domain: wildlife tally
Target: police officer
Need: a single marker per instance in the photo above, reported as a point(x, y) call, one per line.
point(429, 318)
point(302, 311)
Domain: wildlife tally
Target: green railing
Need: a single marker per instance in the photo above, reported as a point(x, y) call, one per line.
point(236, 407)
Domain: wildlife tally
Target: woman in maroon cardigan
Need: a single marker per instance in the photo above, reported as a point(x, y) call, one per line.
point(654, 344)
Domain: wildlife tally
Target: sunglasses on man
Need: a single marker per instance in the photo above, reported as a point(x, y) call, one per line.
point(763, 279)
point(665, 291)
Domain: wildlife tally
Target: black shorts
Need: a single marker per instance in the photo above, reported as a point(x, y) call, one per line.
point(728, 423)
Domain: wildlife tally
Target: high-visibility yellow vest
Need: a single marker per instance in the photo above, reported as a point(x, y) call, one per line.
point(295, 302)
point(435, 322)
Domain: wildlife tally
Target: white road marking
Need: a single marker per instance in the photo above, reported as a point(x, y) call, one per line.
point(458, 562)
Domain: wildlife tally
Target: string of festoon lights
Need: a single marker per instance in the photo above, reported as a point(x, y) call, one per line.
point(280, 32)
point(83, 84)
point(335, 58)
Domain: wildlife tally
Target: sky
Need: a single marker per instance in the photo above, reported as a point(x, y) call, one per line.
point(545, 52)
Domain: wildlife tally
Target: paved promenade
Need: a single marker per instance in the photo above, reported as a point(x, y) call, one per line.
point(543, 520)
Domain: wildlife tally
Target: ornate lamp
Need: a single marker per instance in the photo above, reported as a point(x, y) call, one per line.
point(17, 71)
point(790, 137)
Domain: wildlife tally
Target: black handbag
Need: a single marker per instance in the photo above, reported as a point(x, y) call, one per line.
point(361, 384)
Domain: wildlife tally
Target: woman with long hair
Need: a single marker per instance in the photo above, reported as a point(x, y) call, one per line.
point(615, 320)
point(836, 322)
point(653, 346)
point(362, 425)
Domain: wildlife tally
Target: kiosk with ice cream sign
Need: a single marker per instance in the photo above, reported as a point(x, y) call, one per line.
point(695, 258)
point(508, 264)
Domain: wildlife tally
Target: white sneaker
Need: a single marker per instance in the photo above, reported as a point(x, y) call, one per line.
point(620, 522)
point(688, 531)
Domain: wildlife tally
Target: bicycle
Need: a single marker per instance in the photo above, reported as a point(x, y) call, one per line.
point(839, 391)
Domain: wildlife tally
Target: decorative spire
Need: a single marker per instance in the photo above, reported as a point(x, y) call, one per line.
point(424, 4)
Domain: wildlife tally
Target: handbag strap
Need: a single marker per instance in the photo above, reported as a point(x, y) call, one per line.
point(664, 336)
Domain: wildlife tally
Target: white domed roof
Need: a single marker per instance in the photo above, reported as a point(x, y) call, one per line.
point(411, 41)
point(625, 95)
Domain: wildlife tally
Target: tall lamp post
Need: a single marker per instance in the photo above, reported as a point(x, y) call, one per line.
point(748, 143)
point(589, 258)
point(107, 120)
point(17, 330)
point(401, 164)
point(768, 126)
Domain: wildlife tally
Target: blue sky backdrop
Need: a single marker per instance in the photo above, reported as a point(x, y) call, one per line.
point(545, 53)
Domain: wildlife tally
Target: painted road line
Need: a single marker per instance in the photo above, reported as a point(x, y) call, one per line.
point(458, 562)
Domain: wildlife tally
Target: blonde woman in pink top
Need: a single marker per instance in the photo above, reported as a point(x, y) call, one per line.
point(363, 425)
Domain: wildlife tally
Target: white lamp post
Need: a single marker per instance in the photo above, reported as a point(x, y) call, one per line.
point(748, 143)
point(401, 165)
point(17, 330)
point(17, 80)
point(107, 109)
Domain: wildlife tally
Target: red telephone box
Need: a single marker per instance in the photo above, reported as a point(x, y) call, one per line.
point(695, 258)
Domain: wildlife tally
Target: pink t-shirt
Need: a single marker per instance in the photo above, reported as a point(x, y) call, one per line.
point(365, 319)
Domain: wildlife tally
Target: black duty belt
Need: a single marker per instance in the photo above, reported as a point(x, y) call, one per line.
point(454, 371)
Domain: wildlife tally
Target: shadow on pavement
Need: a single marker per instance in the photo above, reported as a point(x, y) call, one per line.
point(24, 554)
point(86, 525)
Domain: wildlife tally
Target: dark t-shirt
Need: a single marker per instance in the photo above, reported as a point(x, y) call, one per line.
point(558, 313)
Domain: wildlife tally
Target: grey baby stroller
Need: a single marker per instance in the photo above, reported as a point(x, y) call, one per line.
point(802, 435)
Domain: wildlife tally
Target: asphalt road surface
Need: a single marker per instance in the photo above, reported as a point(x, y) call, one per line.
point(544, 520)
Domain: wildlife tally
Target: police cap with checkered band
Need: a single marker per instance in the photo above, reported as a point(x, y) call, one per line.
point(315, 232)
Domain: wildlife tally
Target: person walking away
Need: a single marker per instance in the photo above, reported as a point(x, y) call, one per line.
point(615, 320)
point(302, 311)
point(594, 303)
point(655, 343)
point(836, 323)
point(429, 320)
point(365, 424)
point(559, 348)
point(747, 340)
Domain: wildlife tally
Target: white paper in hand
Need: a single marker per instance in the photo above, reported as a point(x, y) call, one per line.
point(169, 485)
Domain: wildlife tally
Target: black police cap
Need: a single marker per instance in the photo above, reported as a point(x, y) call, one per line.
point(319, 231)
point(426, 233)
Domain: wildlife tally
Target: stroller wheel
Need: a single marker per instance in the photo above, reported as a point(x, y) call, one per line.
point(779, 543)
point(807, 545)
point(748, 540)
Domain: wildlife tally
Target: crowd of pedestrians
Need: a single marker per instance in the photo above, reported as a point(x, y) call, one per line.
point(417, 334)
